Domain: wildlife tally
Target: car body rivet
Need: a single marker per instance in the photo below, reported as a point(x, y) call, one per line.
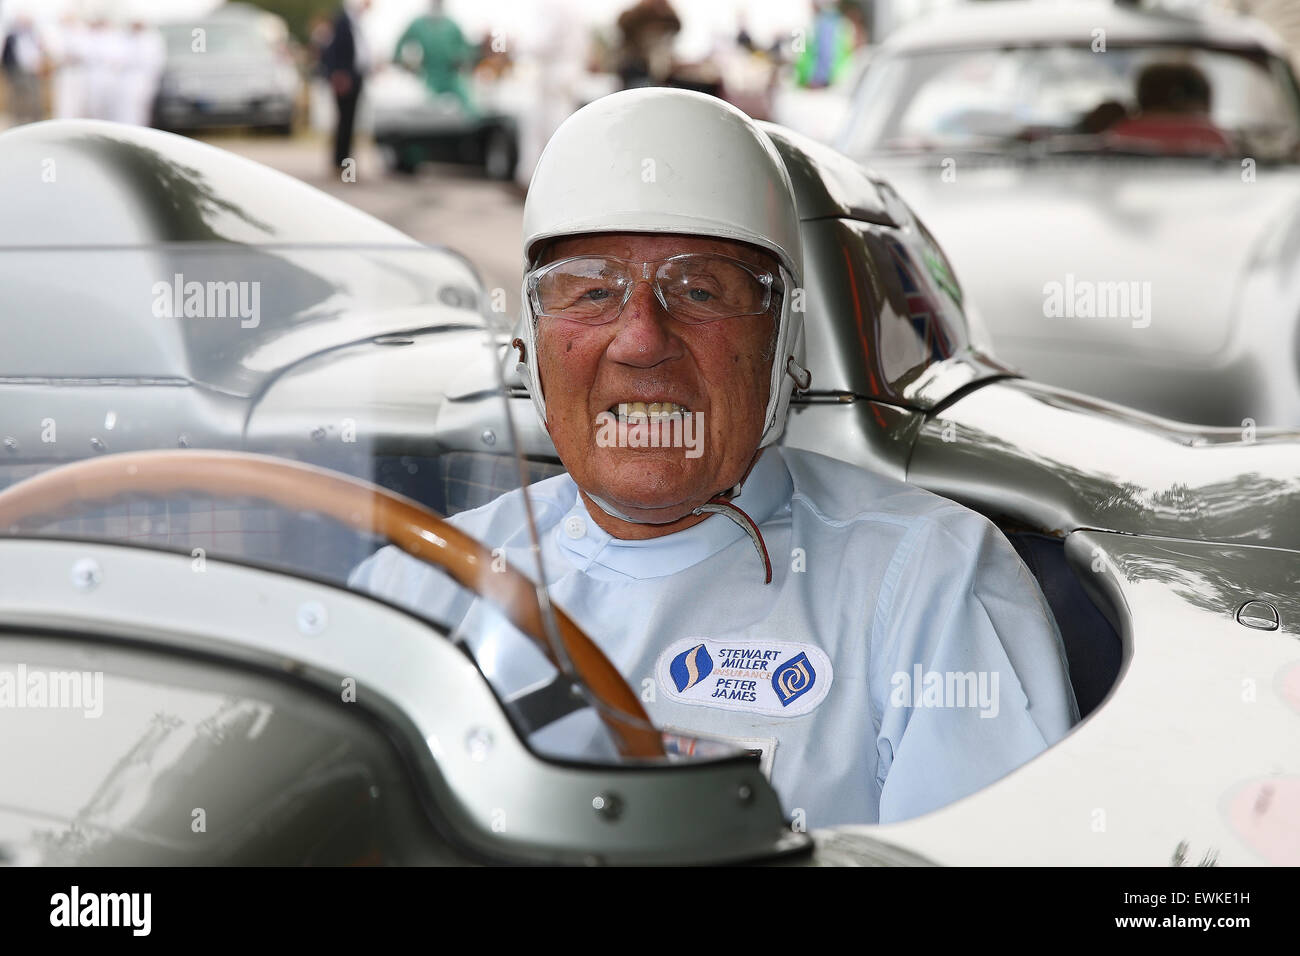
point(312, 618)
point(479, 743)
point(182, 440)
point(318, 434)
point(98, 444)
point(11, 444)
point(1259, 615)
point(86, 574)
point(744, 793)
point(489, 437)
point(608, 805)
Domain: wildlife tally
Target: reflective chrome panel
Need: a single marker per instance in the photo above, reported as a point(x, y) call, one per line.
point(827, 184)
point(1060, 461)
point(880, 313)
point(871, 435)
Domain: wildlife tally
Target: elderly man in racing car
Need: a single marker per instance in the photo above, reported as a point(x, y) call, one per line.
point(775, 599)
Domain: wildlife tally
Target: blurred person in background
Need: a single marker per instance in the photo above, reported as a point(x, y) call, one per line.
point(107, 52)
point(434, 47)
point(562, 54)
point(145, 56)
point(22, 61)
point(71, 42)
point(749, 71)
point(345, 62)
point(1173, 102)
point(828, 49)
point(320, 31)
point(646, 51)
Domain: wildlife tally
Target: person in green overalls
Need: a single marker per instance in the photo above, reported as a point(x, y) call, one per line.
point(827, 52)
point(434, 47)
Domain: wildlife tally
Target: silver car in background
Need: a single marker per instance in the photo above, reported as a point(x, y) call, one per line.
point(230, 69)
point(1118, 191)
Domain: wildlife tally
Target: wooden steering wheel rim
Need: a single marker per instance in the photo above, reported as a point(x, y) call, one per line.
point(359, 505)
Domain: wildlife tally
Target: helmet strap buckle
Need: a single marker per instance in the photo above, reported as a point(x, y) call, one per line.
point(802, 376)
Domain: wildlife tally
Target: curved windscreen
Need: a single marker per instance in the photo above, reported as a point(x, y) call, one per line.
point(1166, 99)
point(243, 403)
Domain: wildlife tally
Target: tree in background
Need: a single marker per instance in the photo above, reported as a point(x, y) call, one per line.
point(299, 14)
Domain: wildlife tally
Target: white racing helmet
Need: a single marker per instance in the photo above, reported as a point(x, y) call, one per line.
point(670, 161)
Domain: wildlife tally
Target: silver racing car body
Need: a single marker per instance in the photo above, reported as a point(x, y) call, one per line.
point(210, 371)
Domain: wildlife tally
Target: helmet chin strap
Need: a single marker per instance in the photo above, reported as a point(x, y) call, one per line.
point(719, 504)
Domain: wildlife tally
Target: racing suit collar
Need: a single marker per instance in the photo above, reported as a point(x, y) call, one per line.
point(594, 551)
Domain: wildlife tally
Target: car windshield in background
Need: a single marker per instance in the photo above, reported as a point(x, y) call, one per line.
point(1163, 100)
point(220, 39)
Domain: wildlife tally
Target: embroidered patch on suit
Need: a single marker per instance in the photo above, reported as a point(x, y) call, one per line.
point(774, 678)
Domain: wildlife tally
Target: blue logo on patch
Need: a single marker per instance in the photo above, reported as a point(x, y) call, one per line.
point(793, 679)
point(690, 667)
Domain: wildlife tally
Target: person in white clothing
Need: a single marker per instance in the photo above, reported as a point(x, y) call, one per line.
point(22, 61)
point(774, 600)
point(146, 55)
point(70, 44)
point(107, 54)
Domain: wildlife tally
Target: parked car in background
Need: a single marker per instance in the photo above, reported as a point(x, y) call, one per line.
point(1118, 190)
point(412, 126)
point(232, 69)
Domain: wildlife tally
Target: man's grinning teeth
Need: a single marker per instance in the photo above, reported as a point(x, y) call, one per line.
point(652, 411)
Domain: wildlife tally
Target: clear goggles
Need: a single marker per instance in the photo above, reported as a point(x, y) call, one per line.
point(695, 287)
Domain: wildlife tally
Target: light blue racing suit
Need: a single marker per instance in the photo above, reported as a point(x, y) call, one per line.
point(901, 658)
